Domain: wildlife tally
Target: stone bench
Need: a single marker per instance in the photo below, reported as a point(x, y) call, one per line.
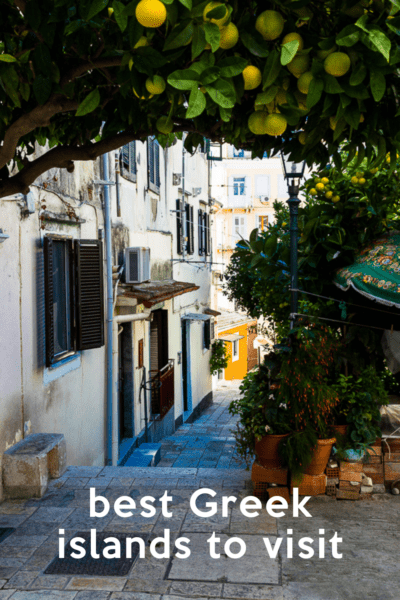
point(29, 464)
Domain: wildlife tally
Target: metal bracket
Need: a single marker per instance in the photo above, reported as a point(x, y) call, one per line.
point(101, 182)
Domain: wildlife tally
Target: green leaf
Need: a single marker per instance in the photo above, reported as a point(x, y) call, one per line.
point(7, 58)
point(232, 66)
point(197, 103)
point(74, 26)
point(95, 8)
point(184, 80)
point(33, 14)
point(41, 88)
point(198, 42)
point(180, 35)
point(89, 104)
point(267, 96)
point(120, 16)
point(186, 3)
point(225, 113)
point(135, 32)
point(352, 115)
point(271, 69)
point(42, 59)
point(314, 92)
point(288, 51)
point(378, 85)
point(25, 90)
point(209, 75)
point(348, 36)
point(380, 41)
point(213, 35)
point(358, 74)
point(253, 46)
point(216, 13)
point(332, 85)
point(223, 93)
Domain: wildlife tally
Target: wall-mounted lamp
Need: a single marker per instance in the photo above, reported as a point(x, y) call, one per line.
point(3, 236)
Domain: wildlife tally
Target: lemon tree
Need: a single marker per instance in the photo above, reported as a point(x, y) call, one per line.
point(82, 77)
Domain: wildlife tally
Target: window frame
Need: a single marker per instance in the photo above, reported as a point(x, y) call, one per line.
point(235, 355)
point(260, 223)
point(153, 165)
point(207, 334)
point(129, 172)
point(239, 186)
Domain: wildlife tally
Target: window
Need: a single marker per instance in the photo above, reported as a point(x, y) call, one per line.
point(128, 161)
point(153, 164)
point(189, 229)
point(238, 228)
point(207, 334)
point(238, 153)
point(262, 223)
point(235, 350)
point(239, 186)
point(179, 226)
point(204, 233)
point(73, 297)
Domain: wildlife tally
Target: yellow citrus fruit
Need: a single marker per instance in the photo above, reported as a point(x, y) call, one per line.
point(291, 37)
point(252, 77)
point(335, 198)
point(329, 195)
point(359, 174)
point(275, 124)
point(155, 85)
point(164, 125)
point(354, 180)
point(304, 81)
point(110, 11)
point(229, 36)
point(141, 97)
point(313, 192)
point(143, 41)
point(322, 54)
point(280, 97)
point(210, 6)
point(270, 24)
point(325, 180)
point(271, 107)
point(373, 171)
point(320, 187)
point(299, 65)
point(151, 13)
point(256, 122)
point(362, 181)
point(333, 122)
point(337, 64)
point(303, 137)
point(203, 89)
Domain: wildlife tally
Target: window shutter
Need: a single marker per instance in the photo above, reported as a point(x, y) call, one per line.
point(132, 158)
point(125, 156)
point(191, 230)
point(89, 294)
point(179, 232)
point(187, 232)
point(200, 232)
point(156, 163)
point(207, 335)
point(150, 160)
point(48, 279)
point(207, 234)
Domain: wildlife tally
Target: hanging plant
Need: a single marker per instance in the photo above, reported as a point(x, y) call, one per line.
point(219, 357)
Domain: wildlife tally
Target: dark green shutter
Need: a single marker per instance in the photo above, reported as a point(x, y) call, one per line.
point(191, 231)
point(207, 234)
point(150, 160)
point(48, 281)
point(200, 232)
point(132, 158)
point(89, 295)
point(156, 163)
point(179, 232)
point(207, 335)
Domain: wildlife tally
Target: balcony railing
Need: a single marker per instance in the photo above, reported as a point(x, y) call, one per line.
point(162, 391)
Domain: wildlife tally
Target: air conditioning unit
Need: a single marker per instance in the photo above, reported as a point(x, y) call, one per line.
point(137, 265)
point(264, 199)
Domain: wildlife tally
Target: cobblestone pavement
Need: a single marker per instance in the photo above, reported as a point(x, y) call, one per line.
point(369, 569)
point(208, 442)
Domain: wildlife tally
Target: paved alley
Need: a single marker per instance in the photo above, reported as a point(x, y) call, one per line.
point(29, 540)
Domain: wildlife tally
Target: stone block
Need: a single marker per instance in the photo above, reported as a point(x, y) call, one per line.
point(28, 465)
point(375, 472)
point(350, 467)
point(392, 457)
point(392, 471)
point(271, 475)
point(367, 489)
point(347, 495)
point(348, 485)
point(350, 476)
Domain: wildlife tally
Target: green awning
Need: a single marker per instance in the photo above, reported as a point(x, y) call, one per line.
point(376, 271)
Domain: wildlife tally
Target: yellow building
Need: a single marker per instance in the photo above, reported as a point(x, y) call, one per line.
point(238, 331)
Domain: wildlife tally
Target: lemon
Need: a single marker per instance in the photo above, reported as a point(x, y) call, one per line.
point(303, 137)
point(374, 171)
point(252, 77)
point(337, 64)
point(335, 198)
point(329, 195)
point(151, 13)
point(362, 181)
point(110, 11)
point(275, 124)
point(320, 187)
point(164, 125)
point(291, 37)
point(229, 36)
point(210, 6)
point(354, 180)
point(256, 122)
point(143, 41)
point(322, 54)
point(280, 97)
point(141, 97)
point(313, 192)
point(304, 81)
point(155, 85)
point(270, 24)
point(359, 174)
point(325, 180)
point(299, 65)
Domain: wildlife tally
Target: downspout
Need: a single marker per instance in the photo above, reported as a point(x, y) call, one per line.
point(116, 321)
point(109, 317)
point(183, 219)
point(117, 182)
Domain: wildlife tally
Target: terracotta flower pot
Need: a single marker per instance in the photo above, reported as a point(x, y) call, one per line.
point(267, 450)
point(321, 456)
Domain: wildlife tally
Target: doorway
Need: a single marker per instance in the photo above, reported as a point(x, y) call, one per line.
point(125, 384)
point(186, 375)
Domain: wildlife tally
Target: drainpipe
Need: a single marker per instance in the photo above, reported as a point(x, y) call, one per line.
point(109, 318)
point(183, 215)
point(116, 321)
point(117, 182)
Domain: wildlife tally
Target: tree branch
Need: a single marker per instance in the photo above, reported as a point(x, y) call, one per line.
point(97, 63)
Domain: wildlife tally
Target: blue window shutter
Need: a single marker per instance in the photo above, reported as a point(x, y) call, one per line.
point(150, 159)
point(157, 163)
point(132, 158)
point(125, 156)
point(200, 232)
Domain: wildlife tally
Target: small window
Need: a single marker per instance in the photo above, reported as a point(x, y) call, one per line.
point(189, 229)
point(73, 297)
point(238, 153)
point(235, 350)
point(153, 164)
point(179, 226)
point(207, 334)
point(239, 186)
point(238, 228)
point(128, 161)
point(262, 223)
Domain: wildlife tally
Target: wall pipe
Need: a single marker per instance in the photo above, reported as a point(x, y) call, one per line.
point(109, 315)
point(117, 182)
point(116, 321)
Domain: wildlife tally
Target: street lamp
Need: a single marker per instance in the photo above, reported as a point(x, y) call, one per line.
point(294, 172)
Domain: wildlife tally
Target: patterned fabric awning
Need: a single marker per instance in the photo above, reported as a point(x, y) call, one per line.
point(376, 272)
